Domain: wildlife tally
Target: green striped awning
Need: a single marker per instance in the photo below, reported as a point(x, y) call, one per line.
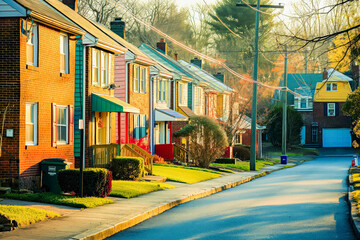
point(105, 103)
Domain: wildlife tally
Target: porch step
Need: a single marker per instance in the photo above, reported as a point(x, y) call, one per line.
point(154, 178)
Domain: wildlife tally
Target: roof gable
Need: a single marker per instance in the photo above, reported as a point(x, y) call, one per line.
point(9, 8)
point(86, 25)
point(164, 60)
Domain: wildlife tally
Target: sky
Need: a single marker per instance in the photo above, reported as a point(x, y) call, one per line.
point(189, 3)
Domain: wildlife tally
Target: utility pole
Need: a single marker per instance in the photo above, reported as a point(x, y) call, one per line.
point(284, 93)
point(306, 59)
point(255, 75)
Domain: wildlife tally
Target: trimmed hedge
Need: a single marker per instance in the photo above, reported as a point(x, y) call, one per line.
point(242, 153)
point(225, 161)
point(242, 145)
point(127, 168)
point(97, 181)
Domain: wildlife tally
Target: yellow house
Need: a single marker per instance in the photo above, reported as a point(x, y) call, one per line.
point(333, 89)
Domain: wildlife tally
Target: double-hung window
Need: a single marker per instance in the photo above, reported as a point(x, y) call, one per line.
point(303, 103)
point(331, 109)
point(64, 53)
point(139, 79)
point(32, 45)
point(199, 96)
point(101, 65)
point(62, 124)
point(331, 87)
point(143, 80)
point(95, 67)
point(180, 94)
point(31, 123)
point(104, 75)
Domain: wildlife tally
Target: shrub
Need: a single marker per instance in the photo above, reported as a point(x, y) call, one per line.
point(127, 168)
point(242, 153)
point(207, 140)
point(97, 181)
point(241, 145)
point(226, 160)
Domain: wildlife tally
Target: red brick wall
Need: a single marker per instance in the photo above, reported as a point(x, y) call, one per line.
point(176, 126)
point(10, 91)
point(45, 86)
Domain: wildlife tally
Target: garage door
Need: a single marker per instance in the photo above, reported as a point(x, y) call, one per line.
point(336, 137)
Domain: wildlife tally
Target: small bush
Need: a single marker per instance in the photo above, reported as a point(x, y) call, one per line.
point(242, 153)
point(226, 160)
point(127, 168)
point(97, 181)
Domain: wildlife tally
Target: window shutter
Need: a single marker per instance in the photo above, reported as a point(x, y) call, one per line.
point(138, 79)
point(325, 109)
point(144, 77)
point(336, 109)
point(71, 124)
point(109, 70)
point(54, 125)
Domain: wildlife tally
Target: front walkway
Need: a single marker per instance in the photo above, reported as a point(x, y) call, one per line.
point(103, 221)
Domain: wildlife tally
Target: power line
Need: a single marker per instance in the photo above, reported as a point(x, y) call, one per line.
point(116, 5)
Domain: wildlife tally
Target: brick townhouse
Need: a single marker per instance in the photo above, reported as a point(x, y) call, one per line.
point(37, 73)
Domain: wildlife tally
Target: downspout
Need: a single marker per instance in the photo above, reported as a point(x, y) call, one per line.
point(84, 104)
point(151, 113)
point(127, 79)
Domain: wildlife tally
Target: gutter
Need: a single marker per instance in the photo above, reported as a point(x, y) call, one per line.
point(151, 111)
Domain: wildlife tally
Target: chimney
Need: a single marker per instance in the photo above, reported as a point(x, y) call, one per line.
point(73, 4)
point(219, 76)
point(325, 74)
point(196, 61)
point(118, 27)
point(355, 74)
point(162, 46)
point(175, 56)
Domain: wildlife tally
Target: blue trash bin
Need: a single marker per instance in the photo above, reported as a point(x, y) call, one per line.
point(283, 159)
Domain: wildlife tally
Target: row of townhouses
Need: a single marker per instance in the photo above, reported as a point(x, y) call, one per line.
point(58, 67)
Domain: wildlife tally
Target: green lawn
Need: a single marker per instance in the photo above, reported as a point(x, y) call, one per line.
point(184, 174)
point(357, 199)
point(130, 189)
point(289, 154)
point(72, 201)
point(25, 215)
point(245, 166)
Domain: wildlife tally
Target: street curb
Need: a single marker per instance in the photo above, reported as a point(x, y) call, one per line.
point(354, 218)
point(108, 230)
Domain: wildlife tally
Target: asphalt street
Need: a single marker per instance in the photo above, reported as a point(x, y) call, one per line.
point(304, 202)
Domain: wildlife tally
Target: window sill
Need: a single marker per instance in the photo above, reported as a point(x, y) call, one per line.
point(62, 74)
point(32, 67)
point(30, 146)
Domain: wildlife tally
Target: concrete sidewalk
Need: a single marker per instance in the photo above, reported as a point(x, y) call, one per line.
point(104, 221)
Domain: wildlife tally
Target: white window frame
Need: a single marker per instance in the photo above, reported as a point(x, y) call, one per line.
point(181, 93)
point(143, 80)
point(66, 108)
point(95, 65)
point(104, 69)
point(199, 96)
point(33, 107)
point(330, 87)
point(33, 41)
point(64, 52)
point(328, 110)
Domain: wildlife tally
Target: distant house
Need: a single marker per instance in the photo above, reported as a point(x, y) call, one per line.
point(330, 128)
point(304, 84)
